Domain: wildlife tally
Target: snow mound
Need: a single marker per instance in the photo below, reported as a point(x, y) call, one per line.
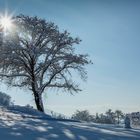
point(27, 112)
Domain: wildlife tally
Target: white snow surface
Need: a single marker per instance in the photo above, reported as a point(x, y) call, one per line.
point(21, 123)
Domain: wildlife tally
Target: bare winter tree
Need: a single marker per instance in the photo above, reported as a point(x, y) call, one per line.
point(36, 55)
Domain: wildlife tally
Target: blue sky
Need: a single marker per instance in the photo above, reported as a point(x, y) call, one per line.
point(110, 33)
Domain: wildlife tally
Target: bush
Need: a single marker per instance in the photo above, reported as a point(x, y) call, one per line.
point(5, 100)
point(82, 116)
point(109, 117)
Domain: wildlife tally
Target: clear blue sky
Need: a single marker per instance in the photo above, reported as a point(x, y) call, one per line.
point(110, 30)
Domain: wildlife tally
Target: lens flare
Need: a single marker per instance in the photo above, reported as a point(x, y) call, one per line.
point(6, 23)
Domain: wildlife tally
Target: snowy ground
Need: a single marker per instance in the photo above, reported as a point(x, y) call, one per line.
point(19, 125)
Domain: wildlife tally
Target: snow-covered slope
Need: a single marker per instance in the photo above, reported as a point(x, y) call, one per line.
point(26, 124)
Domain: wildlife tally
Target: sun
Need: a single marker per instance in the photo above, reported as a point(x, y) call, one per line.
point(6, 23)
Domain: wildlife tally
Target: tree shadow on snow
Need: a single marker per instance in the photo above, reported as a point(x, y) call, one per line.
point(37, 129)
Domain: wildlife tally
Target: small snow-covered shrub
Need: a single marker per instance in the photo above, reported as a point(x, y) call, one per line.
point(5, 100)
point(83, 116)
point(29, 106)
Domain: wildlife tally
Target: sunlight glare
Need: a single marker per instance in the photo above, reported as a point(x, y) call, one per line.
point(6, 23)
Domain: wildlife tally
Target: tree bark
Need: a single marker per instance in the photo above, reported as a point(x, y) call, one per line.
point(39, 103)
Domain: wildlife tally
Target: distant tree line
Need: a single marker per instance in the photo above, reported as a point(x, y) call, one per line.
point(109, 117)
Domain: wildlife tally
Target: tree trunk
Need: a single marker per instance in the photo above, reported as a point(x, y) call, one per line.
point(39, 103)
point(118, 119)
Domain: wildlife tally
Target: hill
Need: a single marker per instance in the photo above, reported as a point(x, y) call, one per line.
point(22, 123)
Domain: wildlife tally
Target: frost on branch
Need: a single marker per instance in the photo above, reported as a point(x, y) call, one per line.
point(38, 56)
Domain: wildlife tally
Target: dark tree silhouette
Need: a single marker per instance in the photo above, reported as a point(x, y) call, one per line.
point(36, 55)
point(119, 115)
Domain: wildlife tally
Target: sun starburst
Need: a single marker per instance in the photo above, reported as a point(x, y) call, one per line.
point(6, 22)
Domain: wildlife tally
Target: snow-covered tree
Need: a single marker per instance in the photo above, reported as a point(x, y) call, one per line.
point(36, 55)
point(111, 115)
point(119, 115)
point(5, 100)
point(83, 116)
